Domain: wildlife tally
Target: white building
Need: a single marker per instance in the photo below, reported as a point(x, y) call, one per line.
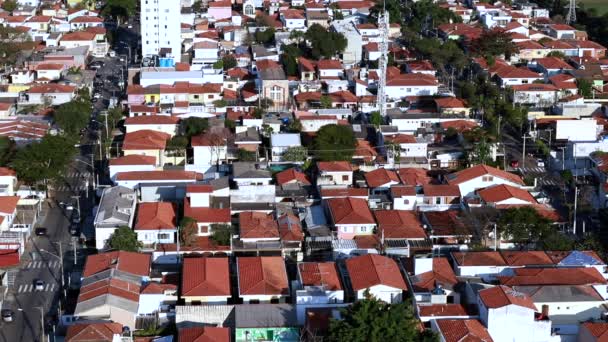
point(378, 274)
point(116, 208)
point(160, 28)
point(507, 313)
point(281, 142)
point(482, 176)
point(318, 285)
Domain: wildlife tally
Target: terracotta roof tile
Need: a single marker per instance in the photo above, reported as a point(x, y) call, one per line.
point(152, 120)
point(204, 334)
point(87, 332)
point(482, 170)
point(414, 176)
point(441, 310)
point(320, 274)
point(207, 215)
point(441, 274)
point(399, 224)
point(381, 176)
point(156, 216)
point(350, 210)
point(257, 225)
point(599, 330)
point(344, 192)
point(459, 330)
point(8, 204)
point(502, 192)
point(372, 269)
point(553, 276)
point(478, 259)
point(526, 258)
point(262, 276)
point(133, 159)
point(500, 296)
point(158, 175)
point(292, 175)
point(336, 166)
point(129, 262)
point(145, 139)
point(205, 277)
point(440, 190)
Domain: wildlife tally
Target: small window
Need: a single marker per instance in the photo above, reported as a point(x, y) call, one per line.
point(345, 178)
point(407, 201)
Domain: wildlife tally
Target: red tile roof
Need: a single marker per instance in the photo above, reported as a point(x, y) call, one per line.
point(441, 310)
point(350, 210)
point(478, 259)
point(553, 276)
point(372, 269)
point(203, 277)
point(129, 262)
point(133, 159)
point(500, 296)
point(89, 332)
point(156, 216)
point(257, 225)
point(329, 64)
point(460, 330)
point(112, 287)
point(152, 120)
point(199, 188)
point(206, 215)
point(413, 176)
point(482, 170)
point(344, 192)
point(335, 166)
point(158, 175)
point(526, 258)
point(381, 176)
point(145, 140)
point(399, 224)
point(290, 228)
point(502, 192)
point(262, 276)
point(51, 88)
point(204, 334)
point(9, 257)
point(402, 191)
point(553, 63)
point(320, 274)
point(440, 190)
point(441, 275)
point(78, 36)
point(292, 176)
point(8, 204)
point(599, 330)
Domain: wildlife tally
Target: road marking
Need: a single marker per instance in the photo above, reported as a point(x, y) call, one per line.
point(46, 287)
point(20, 288)
point(52, 287)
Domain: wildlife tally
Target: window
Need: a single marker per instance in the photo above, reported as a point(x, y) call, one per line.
point(210, 96)
point(204, 230)
point(363, 229)
point(275, 93)
point(249, 10)
point(163, 236)
point(487, 178)
point(437, 200)
point(345, 178)
point(407, 201)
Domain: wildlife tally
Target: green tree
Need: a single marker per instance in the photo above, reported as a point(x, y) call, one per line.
point(523, 225)
point(221, 234)
point(120, 9)
point(244, 155)
point(114, 116)
point(73, 116)
point(585, 87)
point(7, 150)
point(295, 154)
point(13, 42)
point(376, 119)
point(557, 54)
point(295, 126)
point(229, 62)
point(264, 36)
point(221, 103)
point(335, 142)
point(371, 320)
point(188, 231)
point(219, 64)
point(325, 101)
point(45, 160)
point(178, 142)
point(324, 43)
point(194, 126)
point(556, 241)
point(124, 239)
point(197, 6)
point(9, 5)
point(495, 42)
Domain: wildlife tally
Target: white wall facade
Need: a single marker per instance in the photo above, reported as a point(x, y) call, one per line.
point(160, 27)
point(468, 188)
point(385, 293)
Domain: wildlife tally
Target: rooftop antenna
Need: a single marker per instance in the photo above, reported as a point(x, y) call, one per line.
point(571, 16)
point(383, 26)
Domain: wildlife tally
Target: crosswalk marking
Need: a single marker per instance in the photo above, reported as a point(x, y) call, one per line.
point(43, 264)
point(77, 174)
point(26, 288)
point(536, 169)
point(65, 188)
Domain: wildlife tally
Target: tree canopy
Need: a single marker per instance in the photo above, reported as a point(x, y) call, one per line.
point(324, 43)
point(9, 5)
point(73, 116)
point(120, 8)
point(335, 142)
point(495, 42)
point(124, 239)
point(194, 126)
point(188, 231)
point(13, 41)
point(44, 160)
point(295, 154)
point(523, 225)
point(229, 62)
point(371, 320)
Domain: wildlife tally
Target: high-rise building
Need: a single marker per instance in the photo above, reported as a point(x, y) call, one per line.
point(161, 28)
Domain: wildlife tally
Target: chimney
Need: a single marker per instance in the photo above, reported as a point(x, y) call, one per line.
point(545, 310)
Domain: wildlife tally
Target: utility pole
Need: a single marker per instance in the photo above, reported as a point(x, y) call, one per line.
point(74, 248)
point(523, 153)
point(575, 203)
point(495, 238)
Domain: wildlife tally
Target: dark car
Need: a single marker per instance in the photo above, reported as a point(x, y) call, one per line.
point(40, 231)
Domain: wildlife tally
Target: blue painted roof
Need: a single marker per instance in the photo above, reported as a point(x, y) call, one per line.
point(578, 258)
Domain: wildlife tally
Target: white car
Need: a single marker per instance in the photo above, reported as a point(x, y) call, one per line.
point(112, 53)
point(540, 163)
point(7, 315)
point(39, 285)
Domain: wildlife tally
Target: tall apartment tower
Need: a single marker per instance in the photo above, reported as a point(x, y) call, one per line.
point(161, 28)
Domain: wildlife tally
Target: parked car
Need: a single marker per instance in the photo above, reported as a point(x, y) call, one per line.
point(514, 163)
point(7, 315)
point(540, 163)
point(39, 285)
point(40, 231)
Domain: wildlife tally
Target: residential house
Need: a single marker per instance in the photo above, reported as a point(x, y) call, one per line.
point(116, 209)
point(8, 211)
point(52, 93)
point(156, 223)
point(377, 274)
point(399, 225)
point(506, 313)
point(273, 82)
point(508, 76)
point(293, 19)
point(351, 217)
point(158, 123)
point(133, 162)
point(8, 181)
point(198, 207)
point(434, 281)
point(439, 197)
point(147, 143)
point(205, 281)
point(262, 279)
point(94, 331)
point(404, 197)
point(381, 179)
point(481, 176)
point(537, 95)
point(456, 330)
point(317, 286)
point(210, 148)
point(203, 333)
point(281, 142)
point(334, 173)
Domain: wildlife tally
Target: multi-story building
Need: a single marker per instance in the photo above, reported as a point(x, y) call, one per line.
point(160, 29)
